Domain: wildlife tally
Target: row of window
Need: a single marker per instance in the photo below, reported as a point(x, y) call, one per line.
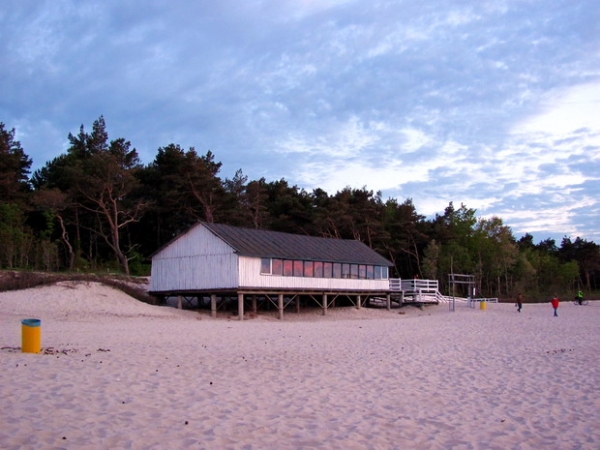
point(318, 269)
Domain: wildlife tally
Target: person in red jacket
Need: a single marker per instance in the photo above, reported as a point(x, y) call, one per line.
point(555, 302)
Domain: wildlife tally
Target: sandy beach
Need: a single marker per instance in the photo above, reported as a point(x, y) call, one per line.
point(117, 373)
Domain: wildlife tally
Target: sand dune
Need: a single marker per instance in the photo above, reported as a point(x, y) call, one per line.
point(123, 374)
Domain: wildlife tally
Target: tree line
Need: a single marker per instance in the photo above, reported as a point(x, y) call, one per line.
point(97, 207)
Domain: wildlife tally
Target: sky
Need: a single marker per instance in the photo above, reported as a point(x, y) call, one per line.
point(491, 104)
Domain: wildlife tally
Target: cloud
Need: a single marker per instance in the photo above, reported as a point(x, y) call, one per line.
point(492, 104)
point(565, 111)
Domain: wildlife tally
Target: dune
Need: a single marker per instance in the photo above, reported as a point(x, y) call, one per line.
point(118, 373)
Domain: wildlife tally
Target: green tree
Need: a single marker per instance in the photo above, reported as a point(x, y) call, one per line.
point(108, 186)
point(14, 168)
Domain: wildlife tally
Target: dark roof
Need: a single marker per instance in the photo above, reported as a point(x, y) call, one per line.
point(275, 244)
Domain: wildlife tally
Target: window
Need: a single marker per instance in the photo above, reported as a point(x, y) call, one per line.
point(362, 272)
point(288, 268)
point(345, 270)
point(377, 272)
point(337, 270)
point(265, 266)
point(298, 268)
point(318, 269)
point(384, 273)
point(309, 269)
point(277, 266)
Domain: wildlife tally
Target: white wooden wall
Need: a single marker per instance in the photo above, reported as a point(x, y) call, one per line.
point(250, 277)
point(195, 261)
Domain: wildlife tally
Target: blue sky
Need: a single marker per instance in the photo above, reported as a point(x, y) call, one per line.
point(494, 104)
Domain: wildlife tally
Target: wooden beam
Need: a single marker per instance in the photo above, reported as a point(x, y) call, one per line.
point(358, 302)
point(254, 304)
point(388, 302)
point(241, 306)
point(324, 304)
point(280, 305)
point(213, 305)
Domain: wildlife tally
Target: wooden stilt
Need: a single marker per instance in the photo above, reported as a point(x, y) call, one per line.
point(213, 305)
point(280, 306)
point(179, 302)
point(241, 306)
point(358, 302)
point(388, 302)
point(254, 304)
point(324, 304)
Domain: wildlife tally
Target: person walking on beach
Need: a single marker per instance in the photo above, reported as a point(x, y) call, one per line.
point(579, 297)
point(519, 302)
point(555, 302)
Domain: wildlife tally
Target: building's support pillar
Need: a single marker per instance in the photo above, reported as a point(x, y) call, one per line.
point(388, 302)
point(280, 306)
point(298, 304)
point(213, 305)
point(241, 306)
point(179, 302)
point(324, 304)
point(358, 302)
point(254, 304)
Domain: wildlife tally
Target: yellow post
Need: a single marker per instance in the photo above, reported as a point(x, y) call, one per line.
point(31, 335)
point(482, 304)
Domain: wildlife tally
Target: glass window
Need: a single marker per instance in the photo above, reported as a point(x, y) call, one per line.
point(370, 274)
point(384, 273)
point(327, 270)
point(377, 272)
point(362, 272)
point(318, 269)
point(309, 269)
point(298, 268)
point(265, 266)
point(345, 270)
point(288, 268)
point(337, 270)
point(354, 271)
point(277, 267)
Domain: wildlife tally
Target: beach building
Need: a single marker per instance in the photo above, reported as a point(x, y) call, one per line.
point(222, 262)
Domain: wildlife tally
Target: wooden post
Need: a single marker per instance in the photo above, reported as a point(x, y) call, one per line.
point(388, 302)
point(254, 304)
point(358, 302)
point(179, 302)
point(324, 304)
point(213, 305)
point(298, 304)
point(241, 306)
point(280, 306)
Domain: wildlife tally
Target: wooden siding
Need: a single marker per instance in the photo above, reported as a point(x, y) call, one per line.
point(250, 278)
point(197, 260)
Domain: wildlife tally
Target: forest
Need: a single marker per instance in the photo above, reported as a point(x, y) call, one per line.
point(96, 207)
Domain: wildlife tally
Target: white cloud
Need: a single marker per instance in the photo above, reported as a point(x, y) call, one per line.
point(414, 139)
point(566, 110)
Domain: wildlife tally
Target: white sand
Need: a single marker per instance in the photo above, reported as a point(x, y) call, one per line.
point(130, 375)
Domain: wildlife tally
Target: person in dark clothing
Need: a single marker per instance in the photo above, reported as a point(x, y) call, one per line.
point(519, 302)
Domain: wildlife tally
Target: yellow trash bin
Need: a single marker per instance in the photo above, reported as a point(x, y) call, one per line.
point(482, 304)
point(31, 335)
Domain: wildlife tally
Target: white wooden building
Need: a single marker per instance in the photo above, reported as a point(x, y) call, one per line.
point(214, 260)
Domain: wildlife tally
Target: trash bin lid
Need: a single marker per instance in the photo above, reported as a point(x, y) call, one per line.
point(31, 322)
